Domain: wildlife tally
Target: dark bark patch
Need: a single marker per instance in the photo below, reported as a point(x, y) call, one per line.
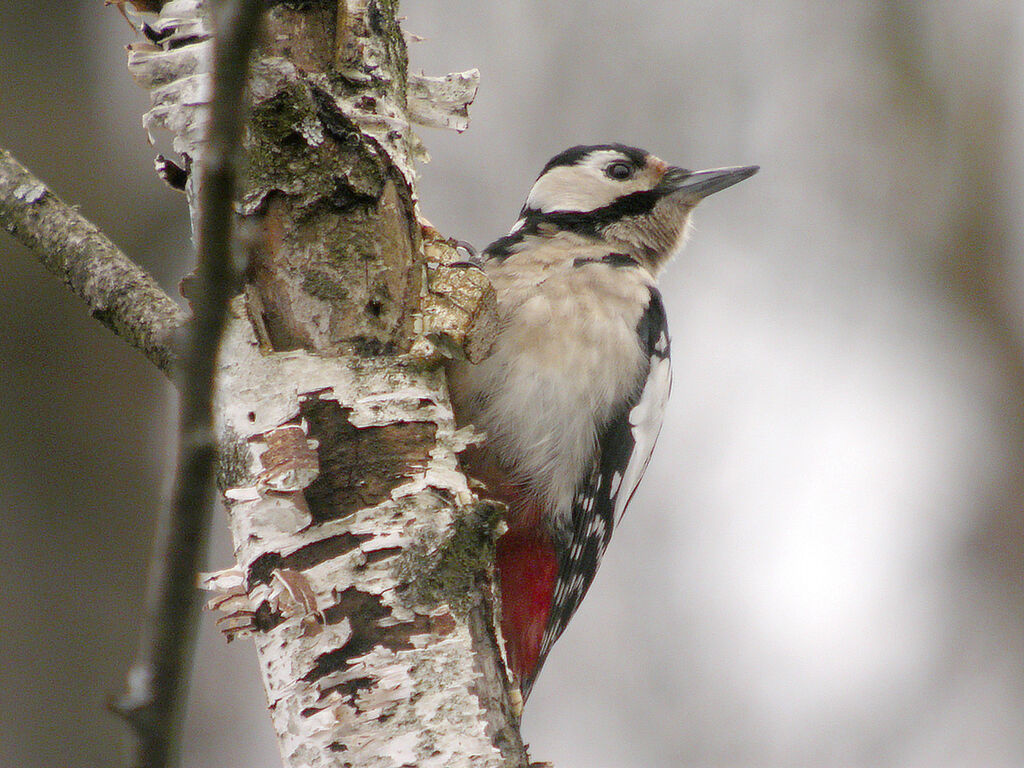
point(365, 613)
point(380, 304)
point(277, 116)
point(348, 689)
point(369, 346)
point(345, 197)
point(324, 550)
point(375, 17)
point(359, 467)
point(376, 555)
point(299, 6)
point(266, 618)
point(334, 122)
point(262, 568)
point(323, 285)
point(172, 174)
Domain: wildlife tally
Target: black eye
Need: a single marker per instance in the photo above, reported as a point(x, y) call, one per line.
point(619, 171)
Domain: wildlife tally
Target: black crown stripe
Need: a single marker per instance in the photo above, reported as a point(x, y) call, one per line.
point(574, 155)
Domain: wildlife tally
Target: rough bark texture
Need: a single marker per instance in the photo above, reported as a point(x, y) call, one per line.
point(154, 704)
point(364, 560)
point(117, 292)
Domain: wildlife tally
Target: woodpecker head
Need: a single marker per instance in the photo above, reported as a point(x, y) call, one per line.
point(622, 195)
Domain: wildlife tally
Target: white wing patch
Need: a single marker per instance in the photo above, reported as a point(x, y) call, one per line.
point(600, 500)
point(645, 423)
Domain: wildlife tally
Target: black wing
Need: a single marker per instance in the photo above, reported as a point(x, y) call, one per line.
point(624, 449)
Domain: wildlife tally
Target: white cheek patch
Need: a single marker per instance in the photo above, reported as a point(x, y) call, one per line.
point(582, 187)
point(570, 188)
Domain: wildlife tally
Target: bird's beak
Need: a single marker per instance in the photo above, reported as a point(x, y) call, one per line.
point(696, 185)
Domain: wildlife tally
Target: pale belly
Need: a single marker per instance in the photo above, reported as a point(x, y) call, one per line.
point(560, 366)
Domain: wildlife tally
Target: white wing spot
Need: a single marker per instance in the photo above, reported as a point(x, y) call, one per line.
point(661, 345)
point(616, 483)
point(645, 424)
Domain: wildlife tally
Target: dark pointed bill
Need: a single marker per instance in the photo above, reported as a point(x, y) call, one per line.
point(700, 184)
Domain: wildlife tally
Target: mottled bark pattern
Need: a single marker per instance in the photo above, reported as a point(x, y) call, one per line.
point(365, 574)
point(333, 269)
point(365, 563)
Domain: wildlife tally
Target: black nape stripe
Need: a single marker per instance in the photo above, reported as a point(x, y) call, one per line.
point(611, 259)
point(573, 155)
point(592, 222)
point(584, 223)
point(505, 246)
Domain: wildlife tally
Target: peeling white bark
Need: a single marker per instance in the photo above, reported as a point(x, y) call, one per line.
point(176, 72)
point(424, 678)
point(443, 102)
point(362, 554)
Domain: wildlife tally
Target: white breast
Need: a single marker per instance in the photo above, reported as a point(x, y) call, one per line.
point(567, 354)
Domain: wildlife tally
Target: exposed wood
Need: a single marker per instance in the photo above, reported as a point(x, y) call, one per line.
point(158, 682)
point(364, 562)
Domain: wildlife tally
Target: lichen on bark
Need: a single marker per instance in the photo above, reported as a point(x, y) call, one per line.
point(364, 562)
point(448, 570)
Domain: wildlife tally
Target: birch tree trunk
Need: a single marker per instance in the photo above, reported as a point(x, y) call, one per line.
point(364, 561)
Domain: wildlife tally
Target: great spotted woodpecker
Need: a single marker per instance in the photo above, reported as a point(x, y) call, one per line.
point(572, 397)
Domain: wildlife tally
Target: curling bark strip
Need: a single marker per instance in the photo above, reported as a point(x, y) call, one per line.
point(364, 563)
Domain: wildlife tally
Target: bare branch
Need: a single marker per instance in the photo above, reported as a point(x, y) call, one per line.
point(118, 292)
point(158, 683)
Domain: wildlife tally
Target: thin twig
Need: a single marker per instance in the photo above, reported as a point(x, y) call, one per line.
point(155, 701)
point(118, 292)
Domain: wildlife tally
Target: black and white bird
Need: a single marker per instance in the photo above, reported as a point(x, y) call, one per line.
point(572, 397)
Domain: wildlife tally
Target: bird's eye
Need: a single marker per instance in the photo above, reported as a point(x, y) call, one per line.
point(619, 171)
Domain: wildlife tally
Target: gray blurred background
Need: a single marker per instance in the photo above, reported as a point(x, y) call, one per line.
point(825, 563)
